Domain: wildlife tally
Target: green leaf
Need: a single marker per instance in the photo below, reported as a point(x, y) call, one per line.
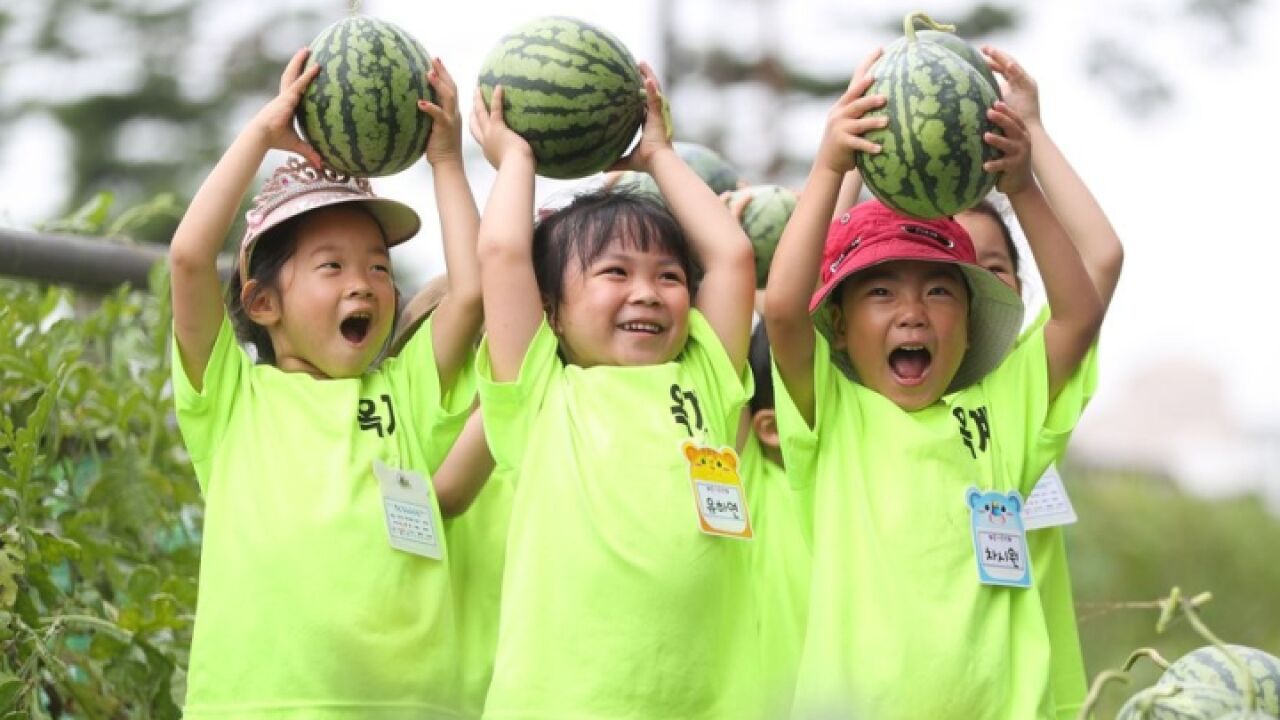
point(10, 688)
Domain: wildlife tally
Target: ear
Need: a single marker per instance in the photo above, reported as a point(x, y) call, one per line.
point(973, 497)
point(765, 425)
point(729, 458)
point(690, 450)
point(837, 325)
point(1015, 502)
point(261, 303)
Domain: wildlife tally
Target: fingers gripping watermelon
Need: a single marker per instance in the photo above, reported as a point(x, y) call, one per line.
point(930, 164)
point(361, 112)
point(571, 90)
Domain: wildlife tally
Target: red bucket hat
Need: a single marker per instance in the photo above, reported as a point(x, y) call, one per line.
point(297, 187)
point(870, 234)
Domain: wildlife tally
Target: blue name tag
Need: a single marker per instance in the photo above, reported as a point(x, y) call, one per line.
point(999, 539)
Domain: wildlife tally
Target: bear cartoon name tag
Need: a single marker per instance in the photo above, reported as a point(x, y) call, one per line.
point(717, 490)
point(999, 540)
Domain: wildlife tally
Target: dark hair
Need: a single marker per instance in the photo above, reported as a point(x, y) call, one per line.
point(272, 250)
point(582, 230)
point(758, 358)
point(987, 208)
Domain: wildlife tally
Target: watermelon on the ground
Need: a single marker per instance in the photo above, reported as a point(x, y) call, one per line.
point(1210, 666)
point(572, 90)
point(932, 151)
point(361, 112)
point(763, 220)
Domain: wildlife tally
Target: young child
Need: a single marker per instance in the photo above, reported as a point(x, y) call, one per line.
point(782, 521)
point(922, 450)
point(1102, 253)
point(611, 377)
point(315, 601)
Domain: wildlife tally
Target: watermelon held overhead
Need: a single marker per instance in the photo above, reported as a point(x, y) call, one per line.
point(932, 151)
point(957, 45)
point(763, 221)
point(361, 112)
point(571, 90)
point(718, 174)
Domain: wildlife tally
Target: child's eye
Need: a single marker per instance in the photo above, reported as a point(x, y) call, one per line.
point(331, 265)
point(941, 291)
point(613, 270)
point(382, 269)
point(878, 291)
point(673, 277)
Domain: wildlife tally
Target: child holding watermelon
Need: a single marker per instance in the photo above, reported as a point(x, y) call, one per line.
point(611, 380)
point(312, 459)
point(911, 613)
point(1102, 253)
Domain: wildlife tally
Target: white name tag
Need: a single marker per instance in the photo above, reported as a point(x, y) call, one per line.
point(1048, 504)
point(411, 519)
point(999, 542)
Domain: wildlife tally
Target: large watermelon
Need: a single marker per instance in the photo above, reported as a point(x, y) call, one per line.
point(1210, 666)
point(957, 45)
point(571, 90)
point(361, 112)
point(930, 164)
point(763, 220)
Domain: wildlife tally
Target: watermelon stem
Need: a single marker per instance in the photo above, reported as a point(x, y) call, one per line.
point(909, 25)
point(1150, 654)
point(354, 6)
point(1193, 617)
point(1095, 691)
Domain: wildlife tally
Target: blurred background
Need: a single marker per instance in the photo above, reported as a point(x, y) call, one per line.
point(114, 110)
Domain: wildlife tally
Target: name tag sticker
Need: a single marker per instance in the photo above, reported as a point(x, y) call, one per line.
point(411, 520)
point(1048, 504)
point(999, 540)
point(717, 490)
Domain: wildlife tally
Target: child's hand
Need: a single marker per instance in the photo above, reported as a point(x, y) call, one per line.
point(737, 203)
point(655, 136)
point(1019, 88)
point(1016, 146)
point(491, 131)
point(275, 119)
point(445, 142)
point(842, 138)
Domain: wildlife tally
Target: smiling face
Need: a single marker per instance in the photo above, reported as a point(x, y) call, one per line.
point(627, 306)
point(334, 302)
point(904, 326)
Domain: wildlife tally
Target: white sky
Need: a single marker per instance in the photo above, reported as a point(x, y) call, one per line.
point(1185, 189)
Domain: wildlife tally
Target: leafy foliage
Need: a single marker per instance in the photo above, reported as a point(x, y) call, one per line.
point(99, 509)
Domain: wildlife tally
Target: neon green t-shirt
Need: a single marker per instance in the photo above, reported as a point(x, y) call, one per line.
point(780, 566)
point(614, 603)
point(1051, 573)
point(477, 553)
point(899, 625)
point(305, 610)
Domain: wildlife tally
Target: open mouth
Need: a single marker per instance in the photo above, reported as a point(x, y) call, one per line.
point(910, 363)
point(646, 328)
point(355, 328)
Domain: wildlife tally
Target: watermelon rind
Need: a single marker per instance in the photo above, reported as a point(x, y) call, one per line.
point(1196, 702)
point(718, 174)
point(571, 90)
point(1211, 667)
point(960, 47)
point(763, 220)
point(361, 111)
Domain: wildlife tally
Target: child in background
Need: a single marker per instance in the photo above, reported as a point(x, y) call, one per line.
point(929, 441)
point(782, 520)
point(1103, 255)
point(610, 380)
point(305, 609)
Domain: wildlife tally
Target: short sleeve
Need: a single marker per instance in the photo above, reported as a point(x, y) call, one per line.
point(799, 440)
point(440, 413)
point(203, 415)
point(1068, 407)
point(728, 388)
point(510, 408)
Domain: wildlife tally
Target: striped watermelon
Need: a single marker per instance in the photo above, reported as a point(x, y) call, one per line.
point(763, 221)
point(633, 181)
point(930, 164)
point(1195, 702)
point(707, 163)
point(1210, 666)
point(957, 45)
point(571, 90)
point(361, 112)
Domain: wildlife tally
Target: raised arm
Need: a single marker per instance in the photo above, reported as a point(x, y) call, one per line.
point(850, 189)
point(727, 291)
point(1075, 310)
point(512, 304)
point(456, 321)
point(466, 468)
point(1085, 222)
point(193, 253)
point(795, 269)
